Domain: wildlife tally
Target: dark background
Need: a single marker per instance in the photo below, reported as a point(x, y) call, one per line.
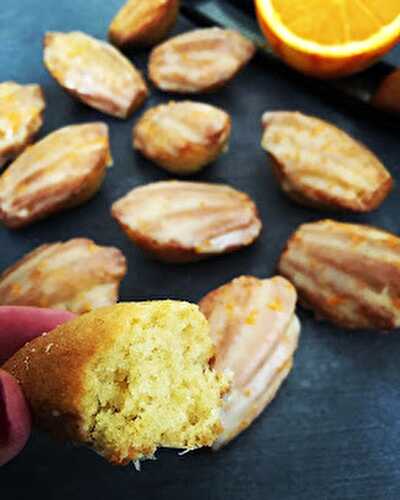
point(333, 432)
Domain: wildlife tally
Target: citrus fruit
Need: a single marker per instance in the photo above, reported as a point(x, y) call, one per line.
point(330, 38)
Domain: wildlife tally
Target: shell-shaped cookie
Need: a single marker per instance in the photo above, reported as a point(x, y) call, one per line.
point(62, 170)
point(347, 273)
point(256, 332)
point(387, 97)
point(125, 380)
point(199, 60)
point(182, 137)
point(94, 72)
point(21, 110)
point(178, 221)
point(318, 164)
point(76, 275)
point(143, 22)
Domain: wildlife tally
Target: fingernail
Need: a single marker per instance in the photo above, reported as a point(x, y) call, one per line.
point(4, 423)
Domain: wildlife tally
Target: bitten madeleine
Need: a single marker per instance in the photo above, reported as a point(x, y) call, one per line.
point(347, 273)
point(76, 275)
point(256, 332)
point(125, 380)
point(182, 137)
point(21, 110)
point(318, 164)
point(94, 72)
point(200, 60)
point(179, 221)
point(143, 22)
point(63, 170)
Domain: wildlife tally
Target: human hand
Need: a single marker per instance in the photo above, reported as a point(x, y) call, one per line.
point(19, 325)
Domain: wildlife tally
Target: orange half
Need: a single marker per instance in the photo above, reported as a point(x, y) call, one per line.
point(330, 38)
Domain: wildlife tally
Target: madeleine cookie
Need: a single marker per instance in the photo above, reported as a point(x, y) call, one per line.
point(94, 72)
point(182, 137)
point(179, 221)
point(125, 380)
point(63, 170)
point(143, 22)
point(387, 97)
point(76, 275)
point(21, 117)
point(318, 164)
point(347, 273)
point(256, 332)
point(200, 60)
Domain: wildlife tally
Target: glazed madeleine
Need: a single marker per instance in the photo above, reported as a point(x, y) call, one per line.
point(21, 117)
point(318, 164)
point(178, 221)
point(94, 72)
point(143, 22)
point(256, 332)
point(347, 273)
point(387, 97)
point(200, 60)
point(182, 137)
point(63, 170)
point(76, 275)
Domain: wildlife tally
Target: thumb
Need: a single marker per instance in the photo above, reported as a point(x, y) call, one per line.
point(19, 325)
point(15, 420)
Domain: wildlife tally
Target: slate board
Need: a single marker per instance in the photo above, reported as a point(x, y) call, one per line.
point(333, 432)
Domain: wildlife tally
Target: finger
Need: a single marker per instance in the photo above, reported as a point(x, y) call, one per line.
point(19, 325)
point(15, 422)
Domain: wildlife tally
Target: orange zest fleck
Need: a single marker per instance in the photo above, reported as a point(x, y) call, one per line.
point(357, 239)
point(276, 305)
point(251, 318)
point(16, 289)
point(392, 242)
point(335, 300)
point(229, 308)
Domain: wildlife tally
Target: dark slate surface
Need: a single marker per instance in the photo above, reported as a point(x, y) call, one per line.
point(333, 432)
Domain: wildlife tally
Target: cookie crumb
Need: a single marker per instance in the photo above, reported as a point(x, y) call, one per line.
point(48, 348)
